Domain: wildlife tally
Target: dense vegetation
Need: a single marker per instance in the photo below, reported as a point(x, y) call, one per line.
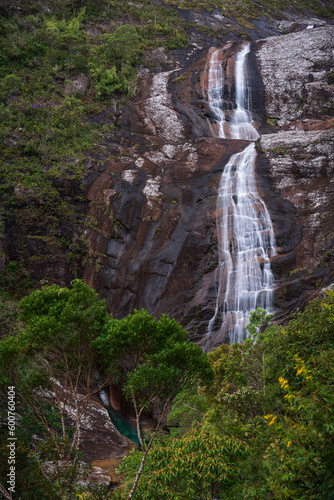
point(263, 429)
point(251, 420)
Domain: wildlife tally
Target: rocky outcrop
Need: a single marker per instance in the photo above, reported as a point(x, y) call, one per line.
point(100, 438)
point(300, 169)
point(297, 73)
point(155, 201)
point(78, 86)
point(95, 476)
point(297, 161)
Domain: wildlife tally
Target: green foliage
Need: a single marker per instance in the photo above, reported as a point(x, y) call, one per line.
point(151, 356)
point(111, 63)
point(61, 323)
point(188, 410)
point(108, 81)
point(8, 315)
point(122, 45)
point(16, 272)
point(56, 345)
point(60, 327)
point(160, 26)
point(277, 403)
point(11, 84)
point(253, 9)
point(300, 463)
point(153, 361)
point(197, 466)
point(305, 334)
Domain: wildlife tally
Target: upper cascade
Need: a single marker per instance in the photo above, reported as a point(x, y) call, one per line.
point(244, 280)
point(236, 123)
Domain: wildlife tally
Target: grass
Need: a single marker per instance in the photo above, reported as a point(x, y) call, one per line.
point(244, 10)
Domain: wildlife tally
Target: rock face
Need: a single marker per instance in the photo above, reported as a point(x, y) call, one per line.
point(96, 475)
point(297, 162)
point(300, 169)
point(158, 200)
point(78, 86)
point(297, 74)
point(155, 196)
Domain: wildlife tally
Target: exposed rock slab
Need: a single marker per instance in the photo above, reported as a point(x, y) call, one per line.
point(296, 71)
point(96, 475)
point(301, 170)
point(100, 439)
point(157, 243)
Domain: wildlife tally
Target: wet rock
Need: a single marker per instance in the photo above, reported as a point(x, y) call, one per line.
point(157, 247)
point(162, 197)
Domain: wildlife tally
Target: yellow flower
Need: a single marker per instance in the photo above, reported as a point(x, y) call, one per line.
point(289, 443)
point(301, 370)
point(283, 382)
point(272, 419)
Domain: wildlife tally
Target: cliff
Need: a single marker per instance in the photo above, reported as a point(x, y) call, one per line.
point(161, 190)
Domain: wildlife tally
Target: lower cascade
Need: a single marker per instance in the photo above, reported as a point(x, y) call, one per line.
point(246, 240)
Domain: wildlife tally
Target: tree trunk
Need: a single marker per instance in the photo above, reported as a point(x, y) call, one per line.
point(140, 470)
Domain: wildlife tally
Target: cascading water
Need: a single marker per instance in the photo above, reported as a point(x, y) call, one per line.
point(245, 234)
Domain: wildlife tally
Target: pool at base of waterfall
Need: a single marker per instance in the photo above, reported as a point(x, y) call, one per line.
point(127, 427)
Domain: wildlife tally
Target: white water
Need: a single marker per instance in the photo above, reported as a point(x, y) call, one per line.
point(245, 234)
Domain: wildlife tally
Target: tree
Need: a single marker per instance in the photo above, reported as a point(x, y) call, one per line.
point(53, 364)
point(153, 360)
point(61, 324)
point(66, 41)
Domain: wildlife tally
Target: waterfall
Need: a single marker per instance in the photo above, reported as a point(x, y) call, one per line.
point(246, 238)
